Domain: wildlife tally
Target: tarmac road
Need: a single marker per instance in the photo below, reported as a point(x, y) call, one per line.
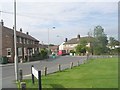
point(8, 76)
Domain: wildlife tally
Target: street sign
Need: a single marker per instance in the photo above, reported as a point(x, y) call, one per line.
point(37, 74)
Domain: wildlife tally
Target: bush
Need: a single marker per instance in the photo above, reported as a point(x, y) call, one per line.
point(43, 53)
point(72, 51)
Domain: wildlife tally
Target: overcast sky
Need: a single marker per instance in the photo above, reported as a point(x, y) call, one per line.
point(68, 18)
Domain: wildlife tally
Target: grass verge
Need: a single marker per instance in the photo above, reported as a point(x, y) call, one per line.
point(97, 73)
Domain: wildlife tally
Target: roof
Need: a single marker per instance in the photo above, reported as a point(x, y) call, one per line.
point(54, 47)
point(43, 46)
point(18, 33)
point(73, 41)
point(76, 40)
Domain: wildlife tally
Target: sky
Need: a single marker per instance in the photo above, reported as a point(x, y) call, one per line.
point(69, 17)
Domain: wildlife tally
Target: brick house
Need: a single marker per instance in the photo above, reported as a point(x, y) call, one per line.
point(26, 44)
point(54, 49)
point(69, 45)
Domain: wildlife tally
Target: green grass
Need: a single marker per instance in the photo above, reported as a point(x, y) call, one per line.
point(99, 73)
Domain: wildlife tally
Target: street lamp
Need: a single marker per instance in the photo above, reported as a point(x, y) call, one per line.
point(49, 40)
point(15, 47)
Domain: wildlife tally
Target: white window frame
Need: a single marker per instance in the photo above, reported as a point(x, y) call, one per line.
point(24, 40)
point(20, 39)
point(17, 39)
point(8, 51)
point(27, 41)
point(20, 51)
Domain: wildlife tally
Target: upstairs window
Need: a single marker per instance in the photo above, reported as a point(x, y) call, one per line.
point(24, 40)
point(20, 39)
point(27, 41)
point(8, 52)
point(17, 39)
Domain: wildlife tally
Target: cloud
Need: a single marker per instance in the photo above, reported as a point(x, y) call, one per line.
point(69, 18)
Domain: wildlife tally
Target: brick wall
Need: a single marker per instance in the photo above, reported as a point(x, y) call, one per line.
point(0, 40)
point(7, 42)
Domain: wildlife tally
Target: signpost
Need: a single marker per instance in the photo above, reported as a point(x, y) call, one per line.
point(37, 74)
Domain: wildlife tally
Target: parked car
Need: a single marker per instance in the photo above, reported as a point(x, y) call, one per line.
point(62, 52)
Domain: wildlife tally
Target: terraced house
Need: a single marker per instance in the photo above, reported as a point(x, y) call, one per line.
point(26, 44)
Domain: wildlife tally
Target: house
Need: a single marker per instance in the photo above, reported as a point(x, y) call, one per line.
point(69, 45)
point(43, 46)
point(61, 46)
point(26, 44)
point(54, 49)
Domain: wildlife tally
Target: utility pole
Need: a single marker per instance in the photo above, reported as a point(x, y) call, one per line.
point(49, 41)
point(15, 47)
point(48, 44)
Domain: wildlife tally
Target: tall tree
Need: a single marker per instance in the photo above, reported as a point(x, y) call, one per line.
point(100, 40)
point(113, 42)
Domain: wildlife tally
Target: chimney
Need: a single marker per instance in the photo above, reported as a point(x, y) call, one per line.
point(21, 30)
point(13, 27)
point(2, 23)
point(66, 39)
point(78, 36)
point(27, 33)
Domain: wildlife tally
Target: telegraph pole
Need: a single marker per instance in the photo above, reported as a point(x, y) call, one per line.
point(15, 47)
point(49, 41)
point(48, 44)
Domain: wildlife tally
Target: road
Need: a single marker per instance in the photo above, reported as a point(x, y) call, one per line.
point(8, 76)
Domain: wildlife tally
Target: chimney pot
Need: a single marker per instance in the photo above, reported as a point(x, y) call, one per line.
point(20, 29)
point(27, 33)
point(2, 23)
point(66, 39)
point(78, 36)
point(13, 27)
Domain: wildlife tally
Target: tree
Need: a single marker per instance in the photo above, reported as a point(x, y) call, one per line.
point(80, 49)
point(112, 43)
point(99, 46)
point(83, 42)
point(43, 53)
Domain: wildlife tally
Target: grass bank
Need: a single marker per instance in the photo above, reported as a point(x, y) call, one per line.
point(97, 73)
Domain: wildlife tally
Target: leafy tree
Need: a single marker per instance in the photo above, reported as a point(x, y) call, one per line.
point(43, 53)
point(51, 44)
point(80, 49)
point(83, 42)
point(99, 46)
point(113, 42)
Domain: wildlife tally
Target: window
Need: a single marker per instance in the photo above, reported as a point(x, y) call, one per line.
point(8, 52)
point(17, 39)
point(24, 40)
point(20, 39)
point(27, 41)
point(19, 51)
point(33, 42)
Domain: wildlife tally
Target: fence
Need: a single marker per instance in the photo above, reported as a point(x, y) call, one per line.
point(70, 65)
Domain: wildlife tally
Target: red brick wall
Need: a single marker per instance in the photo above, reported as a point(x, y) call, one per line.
point(7, 42)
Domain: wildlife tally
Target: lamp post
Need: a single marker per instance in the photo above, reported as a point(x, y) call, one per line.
point(15, 47)
point(49, 41)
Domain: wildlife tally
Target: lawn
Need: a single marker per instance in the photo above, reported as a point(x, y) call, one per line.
point(97, 73)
